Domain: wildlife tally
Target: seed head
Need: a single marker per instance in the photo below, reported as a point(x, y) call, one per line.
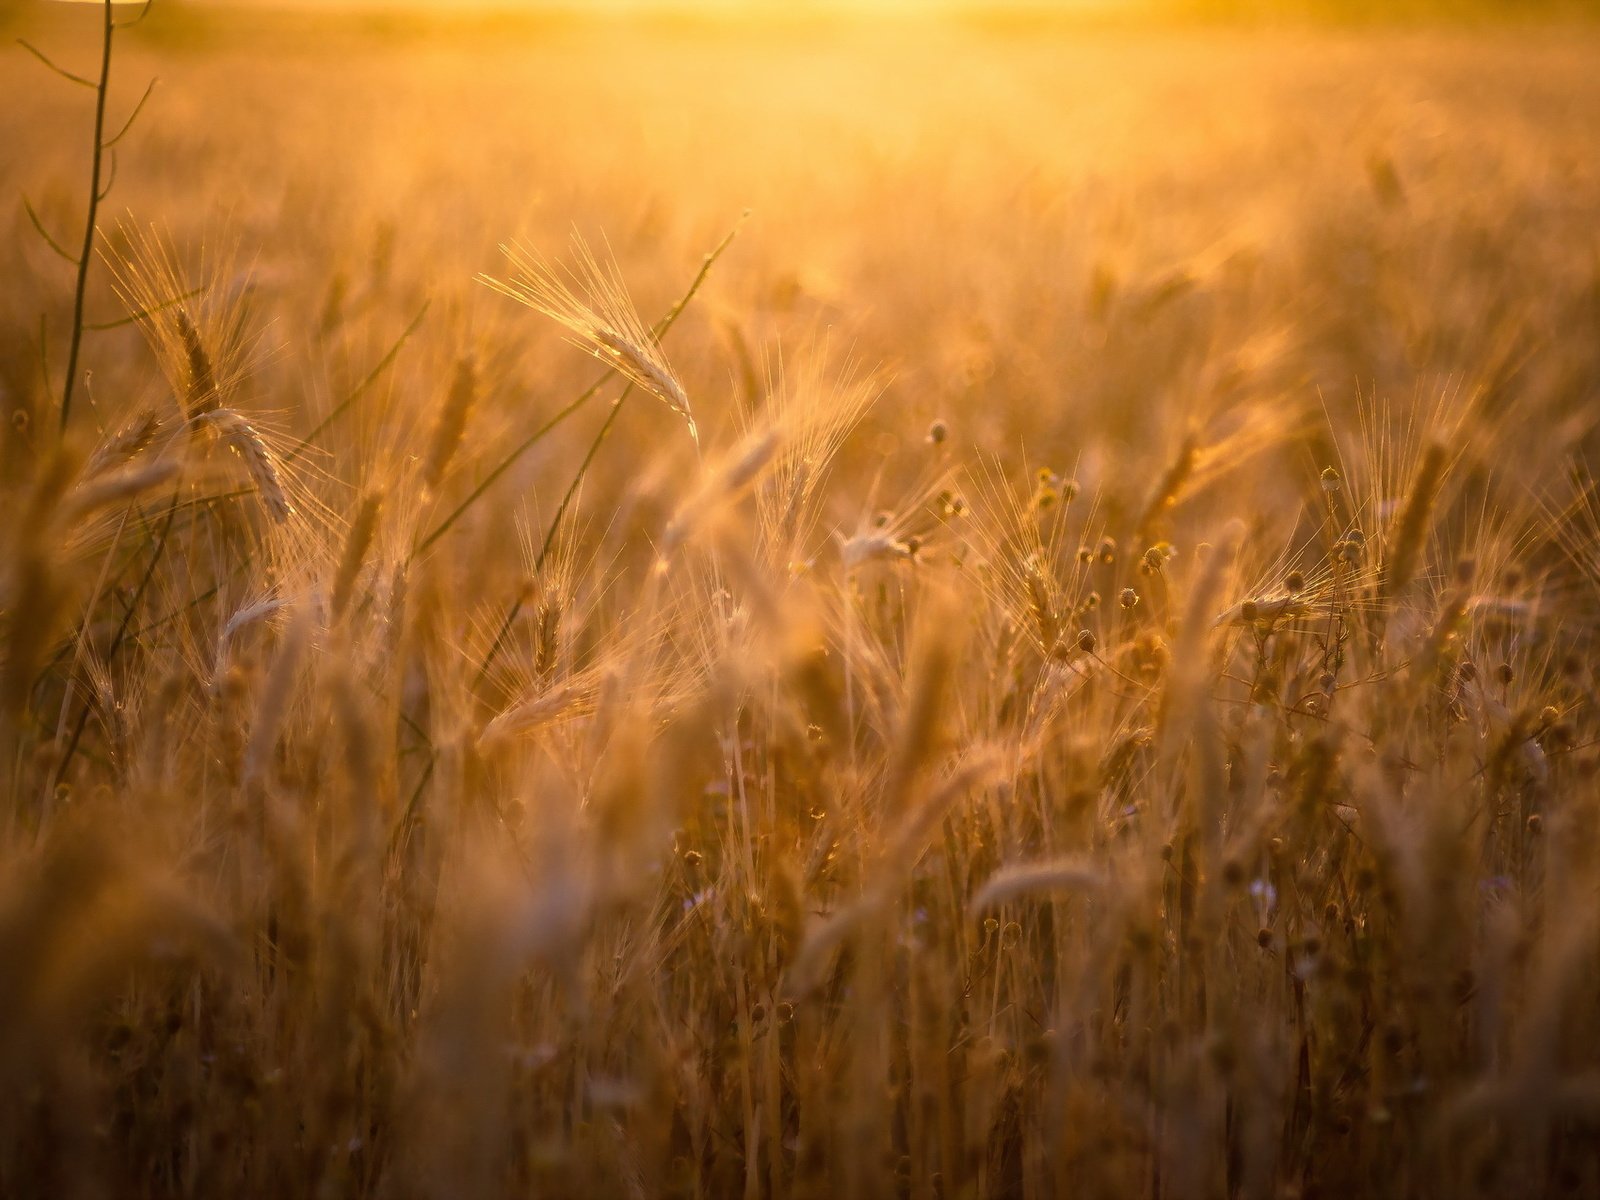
point(202, 395)
point(450, 423)
point(260, 463)
point(589, 300)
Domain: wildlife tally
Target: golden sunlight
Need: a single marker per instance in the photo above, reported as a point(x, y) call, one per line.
point(803, 600)
point(743, 9)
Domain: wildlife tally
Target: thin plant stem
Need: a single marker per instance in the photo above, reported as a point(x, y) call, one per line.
point(95, 196)
point(659, 330)
point(555, 524)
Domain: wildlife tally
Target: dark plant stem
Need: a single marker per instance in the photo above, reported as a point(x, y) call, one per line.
point(121, 633)
point(89, 222)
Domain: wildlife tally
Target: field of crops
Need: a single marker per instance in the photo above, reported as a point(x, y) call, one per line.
point(701, 609)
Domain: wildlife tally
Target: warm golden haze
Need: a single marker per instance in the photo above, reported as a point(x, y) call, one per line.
point(1054, 656)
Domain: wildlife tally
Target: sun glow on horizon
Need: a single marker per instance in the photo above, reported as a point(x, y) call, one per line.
point(730, 8)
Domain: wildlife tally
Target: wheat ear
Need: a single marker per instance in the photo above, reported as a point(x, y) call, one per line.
point(243, 439)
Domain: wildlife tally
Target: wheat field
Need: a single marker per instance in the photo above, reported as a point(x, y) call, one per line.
point(688, 608)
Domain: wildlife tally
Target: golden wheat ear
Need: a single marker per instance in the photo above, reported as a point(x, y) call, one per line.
point(195, 323)
point(260, 463)
point(589, 300)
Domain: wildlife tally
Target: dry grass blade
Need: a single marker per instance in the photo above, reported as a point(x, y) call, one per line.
point(1069, 875)
point(118, 487)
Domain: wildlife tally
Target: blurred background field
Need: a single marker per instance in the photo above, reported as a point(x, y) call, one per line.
point(1045, 236)
point(1102, 705)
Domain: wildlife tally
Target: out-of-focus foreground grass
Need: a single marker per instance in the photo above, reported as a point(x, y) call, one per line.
point(1099, 701)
